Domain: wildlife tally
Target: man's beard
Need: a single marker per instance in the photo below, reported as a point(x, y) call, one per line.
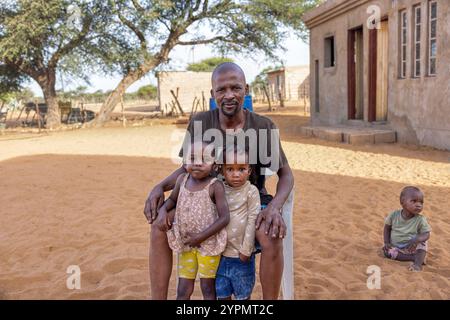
point(232, 113)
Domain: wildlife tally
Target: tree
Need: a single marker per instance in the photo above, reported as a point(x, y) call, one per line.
point(155, 27)
point(10, 79)
point(40, 37)
point(147, 92)
point(260, 84)
point(207, 65)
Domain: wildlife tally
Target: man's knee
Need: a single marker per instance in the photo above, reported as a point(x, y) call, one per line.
point(270, 246)
point(158, 238)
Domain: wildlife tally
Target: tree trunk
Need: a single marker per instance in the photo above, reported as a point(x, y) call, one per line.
point(114, 97)
point(268, 97)
point(47, 83)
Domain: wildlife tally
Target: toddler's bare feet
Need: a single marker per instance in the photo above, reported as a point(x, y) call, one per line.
point(415, 268)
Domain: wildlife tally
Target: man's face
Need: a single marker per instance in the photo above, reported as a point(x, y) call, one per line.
point(229, 90)
point(413, 202)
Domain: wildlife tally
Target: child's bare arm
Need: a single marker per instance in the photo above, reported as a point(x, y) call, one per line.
point(194, 240)
point(387, 235)
point(422, 237)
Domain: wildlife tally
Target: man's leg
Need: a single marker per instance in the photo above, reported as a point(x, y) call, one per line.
point(160, 264)
point(271, 265)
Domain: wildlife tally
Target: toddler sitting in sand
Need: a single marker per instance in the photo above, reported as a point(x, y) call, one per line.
point(406, 231)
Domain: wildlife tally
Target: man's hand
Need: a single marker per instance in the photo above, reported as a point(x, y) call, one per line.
point(387, 246)
point(193, 240)
point(154, 201)
point(244, 258)
point(274, 223)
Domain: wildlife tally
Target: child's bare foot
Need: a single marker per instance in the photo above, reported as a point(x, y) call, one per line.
point(415, 268)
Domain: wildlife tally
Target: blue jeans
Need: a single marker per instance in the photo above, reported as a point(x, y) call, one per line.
point(235, 277)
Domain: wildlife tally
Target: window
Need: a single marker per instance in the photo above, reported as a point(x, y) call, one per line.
point(417, 10)
point(330, 52)
point(403, 42)
point(432, 41)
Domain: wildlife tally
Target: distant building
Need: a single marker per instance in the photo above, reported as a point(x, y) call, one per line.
point(190, 85)
point(392, 71)
point(292, 82)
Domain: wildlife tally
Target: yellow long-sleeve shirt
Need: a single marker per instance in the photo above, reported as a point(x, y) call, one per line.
point(244, 205)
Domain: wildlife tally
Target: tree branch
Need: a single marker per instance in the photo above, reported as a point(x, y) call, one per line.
point(135, 29)
point(72, 43)
point(203, 41)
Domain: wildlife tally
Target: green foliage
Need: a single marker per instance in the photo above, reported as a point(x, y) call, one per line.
point(10, 79)
point(147, 92)
point(40, 37)
point(207, 65)
point(261, 79)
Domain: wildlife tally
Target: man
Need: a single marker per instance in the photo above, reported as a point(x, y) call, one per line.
point(229, 89)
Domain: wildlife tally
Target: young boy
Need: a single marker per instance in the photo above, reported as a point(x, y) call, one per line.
point(236, 272)
point(406, 231)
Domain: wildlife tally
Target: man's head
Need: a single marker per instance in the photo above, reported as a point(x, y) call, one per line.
point(411, 199)
point(229, 88)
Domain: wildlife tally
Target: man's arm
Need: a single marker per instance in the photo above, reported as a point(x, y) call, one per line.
point(166, 215)
point(156, 197)
point(272, 213)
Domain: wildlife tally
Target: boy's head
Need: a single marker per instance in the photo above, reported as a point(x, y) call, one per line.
point(236, 169)
point(411, 199)
point(200, 161)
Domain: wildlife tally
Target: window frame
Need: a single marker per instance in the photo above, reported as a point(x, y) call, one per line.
point(403, 15)
point(431, 39)
point(330, 57)
point(417, 26)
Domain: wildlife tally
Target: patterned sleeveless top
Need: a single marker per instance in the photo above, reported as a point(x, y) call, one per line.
point(195, 212)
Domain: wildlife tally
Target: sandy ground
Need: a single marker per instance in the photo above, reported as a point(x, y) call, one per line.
point(76, 198)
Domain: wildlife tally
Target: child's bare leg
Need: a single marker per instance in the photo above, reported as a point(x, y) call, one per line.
point(185, 288)
point(208, 286)
point(405, 257)
point(418, 260)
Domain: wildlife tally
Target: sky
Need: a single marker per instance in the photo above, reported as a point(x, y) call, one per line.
point(297, 53)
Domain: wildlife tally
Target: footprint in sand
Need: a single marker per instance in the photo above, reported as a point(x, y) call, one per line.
point(119, 265)
point(356, 206)
point(92, 277)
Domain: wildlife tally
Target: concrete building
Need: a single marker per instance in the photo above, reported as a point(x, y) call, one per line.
point(292, 82)
point(382, 64)
point(190, 85)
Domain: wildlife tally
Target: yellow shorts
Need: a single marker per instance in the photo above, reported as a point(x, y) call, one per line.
point(192, 261)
